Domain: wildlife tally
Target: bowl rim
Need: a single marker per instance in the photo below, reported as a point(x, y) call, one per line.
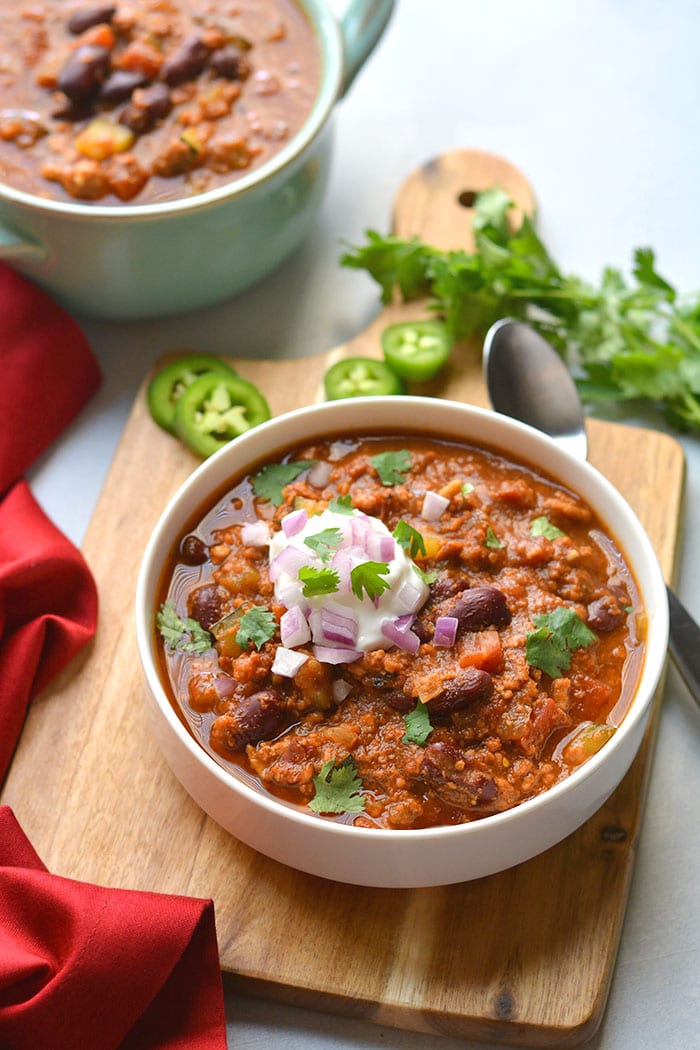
point(328, 35)
point(520, 433)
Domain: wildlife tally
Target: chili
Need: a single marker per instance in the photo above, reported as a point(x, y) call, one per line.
point(416, 350)
point(361, 377)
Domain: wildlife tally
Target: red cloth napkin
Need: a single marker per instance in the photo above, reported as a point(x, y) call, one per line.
point(81, 967)
point(88, 968)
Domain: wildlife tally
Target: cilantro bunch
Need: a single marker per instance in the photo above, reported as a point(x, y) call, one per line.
point(622, 339)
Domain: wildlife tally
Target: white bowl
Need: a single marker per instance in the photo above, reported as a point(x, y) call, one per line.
point(410, 858)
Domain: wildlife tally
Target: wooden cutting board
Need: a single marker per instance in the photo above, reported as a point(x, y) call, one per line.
point(524, 957)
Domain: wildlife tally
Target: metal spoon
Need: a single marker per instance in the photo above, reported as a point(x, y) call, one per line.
point(527, 380)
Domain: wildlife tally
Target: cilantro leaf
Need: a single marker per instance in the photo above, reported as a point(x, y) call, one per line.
point(256, 625)
point(187, 636)
point(409, 538)
point(269, 482)
point(341, 505)
point(338, 789)
point(392, 467)
point(418, 727)
point(318, 581)
point(492, 541)
point(428, 577)
point(542, 526)
point(557, 636)
point(368, 576)
point(325, 542)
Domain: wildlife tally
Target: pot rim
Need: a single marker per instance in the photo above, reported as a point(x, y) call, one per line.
point(328, 34)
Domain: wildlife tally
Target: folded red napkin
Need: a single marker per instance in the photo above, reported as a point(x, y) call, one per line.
point(81, 966)
point(48, 601)
point(88, 968)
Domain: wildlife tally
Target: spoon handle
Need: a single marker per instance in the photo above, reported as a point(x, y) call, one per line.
point(683, 644)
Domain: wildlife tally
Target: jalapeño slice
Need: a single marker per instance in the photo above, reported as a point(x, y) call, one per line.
point(361, 377)
point(167, 385)
point(216, 408)
point(416, 350)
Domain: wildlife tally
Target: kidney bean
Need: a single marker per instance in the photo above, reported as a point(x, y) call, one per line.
point(205, 605)
point(229, 63)
point(400, 701)
point(469, 685)
point(147, 107)
point(193, 550)
point(83, 72)
point(120, 85)
point(457, 778)
point(252, 719)
point(605, 614)
point(79, 21)
point(187, 63)
point(446, 586)
point(481, 607)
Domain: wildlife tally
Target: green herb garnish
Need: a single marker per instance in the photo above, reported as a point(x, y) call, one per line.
point(409, 538)
point(543, 527)
point(187, 636)
point(257, 625)
point(427, 576)
point(338, 789)
point(418, 727)
point(492, 541)
point(269, 482)
point(622, 339)
point(467, 487)
point(341, 505)
point(324, 543)
point(367, 576)
point(557, 636)
point(318, 581)
point(392, 467)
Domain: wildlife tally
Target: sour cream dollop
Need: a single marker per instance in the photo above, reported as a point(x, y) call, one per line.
point(341, 625)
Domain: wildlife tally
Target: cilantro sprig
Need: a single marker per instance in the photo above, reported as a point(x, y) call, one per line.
point(186, 635)
point(392, 467)
point(342, 505)
point(367, 576)
point(418, 726)
point(556, 637)
point(269, 482)
point(623, 339)
point(338, 788)
point(325, 542)
point(318, 581)
point(256, 625)
point(409, 538)
point(542, 526)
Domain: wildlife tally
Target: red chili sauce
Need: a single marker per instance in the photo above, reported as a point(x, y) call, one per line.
point(150, 100)
point(510, 546)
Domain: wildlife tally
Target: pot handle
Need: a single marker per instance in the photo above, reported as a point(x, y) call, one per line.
point(17, 247)
point(362, 23)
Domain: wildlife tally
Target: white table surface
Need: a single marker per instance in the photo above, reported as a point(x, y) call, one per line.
point(597, 102)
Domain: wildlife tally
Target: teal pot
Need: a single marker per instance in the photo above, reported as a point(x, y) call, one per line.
point(152, 260)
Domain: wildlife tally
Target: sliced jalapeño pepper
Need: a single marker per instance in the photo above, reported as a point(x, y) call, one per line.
point(216, 408)
point(168, 384)
point(416, 350)
point(360, 377)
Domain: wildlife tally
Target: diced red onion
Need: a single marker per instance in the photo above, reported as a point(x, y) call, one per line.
point(319, 474)
point(379, 546)
point(287, 661)
point(410, 597)
point(433, 505)
point(405, 639)
point(359, 532)
point(330, 627)
point(341, 689)
point(335, 655)
point(225, 686)
point(290, 559)
point(405, 621)
point(342, 562)
point(294, 629)
point(445, 630)
point(255, 534)
point(294, 522)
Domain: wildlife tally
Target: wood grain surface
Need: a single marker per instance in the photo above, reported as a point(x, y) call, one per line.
point(524, 957)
